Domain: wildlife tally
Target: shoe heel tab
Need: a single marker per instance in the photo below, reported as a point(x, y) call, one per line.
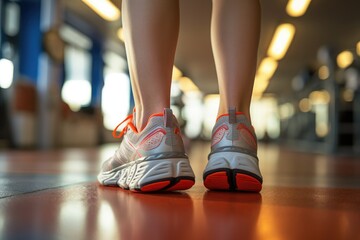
point(168, 118)
point(232, 115)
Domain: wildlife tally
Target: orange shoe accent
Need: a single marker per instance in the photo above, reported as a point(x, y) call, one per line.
point(182, 185)
point(152, 187)
point(217, 181)
point(247, 183)
point(247, 135)
point(226, 114)
point(127, 122)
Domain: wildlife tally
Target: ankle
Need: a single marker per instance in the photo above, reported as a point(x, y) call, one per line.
point(225, 110)
point(143, 115)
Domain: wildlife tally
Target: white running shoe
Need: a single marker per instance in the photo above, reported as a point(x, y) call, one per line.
point(233, 162)
point(151, 160)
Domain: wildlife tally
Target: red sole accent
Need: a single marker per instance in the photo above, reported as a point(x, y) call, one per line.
point(247, 183)
point(220, 181)
point(182, 185)
point(217, 181)
point(152, 187)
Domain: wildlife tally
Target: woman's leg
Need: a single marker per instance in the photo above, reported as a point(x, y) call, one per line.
point(153, 159)
point(235, 30)
point(151, 33)
point(233, 162)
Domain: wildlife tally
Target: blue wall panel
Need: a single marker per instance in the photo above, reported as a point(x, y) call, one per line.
point(97, 72)
point(30, 39)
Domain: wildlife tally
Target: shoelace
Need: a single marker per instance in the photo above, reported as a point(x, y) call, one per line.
point(128, 121)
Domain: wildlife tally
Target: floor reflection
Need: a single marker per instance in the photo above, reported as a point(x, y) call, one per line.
point(145, 216)
point(231, 214)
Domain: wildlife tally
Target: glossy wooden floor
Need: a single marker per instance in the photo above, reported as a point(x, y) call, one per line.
point(54, 195)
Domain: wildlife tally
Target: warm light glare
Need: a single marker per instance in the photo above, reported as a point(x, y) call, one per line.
point(358, 48)
point(267, 67)
point(120, 34)
point(260, 85)
point(323, 72)
point(286, 110)
point(211, 107)
point(297, 8)
point(321, 116)
point(104, 8)
point(305, 105)
point(76, 93)
point(74, 37)
point(72, 211)
point(187, 85)
point(256, 96)
point(281, 41)
point(265, 117)
point(322, 129)
point(6, 73)
point(319, 97)
point(116, 90)
point(115, 61)
point(348, 95)
point(176, 73)
point(344, 59)
point(106, 221)
point(193, 113)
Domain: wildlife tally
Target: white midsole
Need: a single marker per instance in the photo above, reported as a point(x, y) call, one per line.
point(137, 173)
point(233, 160)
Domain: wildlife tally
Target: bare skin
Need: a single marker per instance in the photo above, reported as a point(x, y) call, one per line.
point(235, 30)
point(151, 32)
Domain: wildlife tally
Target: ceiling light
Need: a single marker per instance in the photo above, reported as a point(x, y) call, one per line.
point(7, 73)
point(260, 84)
point(187, 85)
point(212, 97)
point(297, 8)
point(260, 88)
point(267, 68)
point(75, 37)
point(319, 97)
point(104, 8)
point(286, 110)
point(76, 93)
point(176, 73)
point(115, 61)
point(322, 129)
point(348, 95)
point(120, 34)
point(344, 59)
point(305, 105)
point(281, 40)
point(255, 97)
point(323, 72)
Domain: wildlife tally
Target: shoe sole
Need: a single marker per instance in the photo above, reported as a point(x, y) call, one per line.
point(151, 175)
point(232, 180)
point(175, 184)
point(233, 171)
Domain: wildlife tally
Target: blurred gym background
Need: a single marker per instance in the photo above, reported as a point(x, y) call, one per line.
point(64, 78)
